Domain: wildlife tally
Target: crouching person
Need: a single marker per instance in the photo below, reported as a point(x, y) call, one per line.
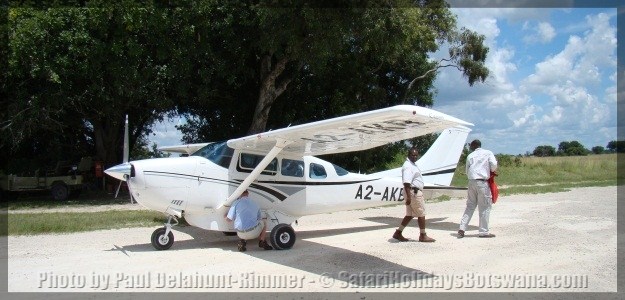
point(248, 222)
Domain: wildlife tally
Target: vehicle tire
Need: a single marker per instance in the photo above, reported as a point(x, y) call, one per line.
point(282, 237)
point(229, 233)
point(59, 192)
point(160, 241)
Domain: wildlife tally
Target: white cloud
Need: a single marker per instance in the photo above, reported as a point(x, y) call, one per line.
point(564, 97)
point(541, 33)
point(523, 117)
point(506, 100)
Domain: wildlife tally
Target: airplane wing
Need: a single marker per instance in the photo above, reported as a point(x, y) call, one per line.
point(351, 133)
point(185, 149)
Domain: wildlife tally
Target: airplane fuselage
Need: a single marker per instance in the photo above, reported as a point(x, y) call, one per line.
point(290, 187)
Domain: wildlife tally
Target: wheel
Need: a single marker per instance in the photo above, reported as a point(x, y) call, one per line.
point(160, 241)
point(59, 192)
point(282, 237)
point(229, 233)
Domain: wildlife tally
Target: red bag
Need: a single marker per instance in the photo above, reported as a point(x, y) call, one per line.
point(494, 190)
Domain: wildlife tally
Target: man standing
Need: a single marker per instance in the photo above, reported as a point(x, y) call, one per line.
point(480, 163)
point(413, 193)
point(248, 222)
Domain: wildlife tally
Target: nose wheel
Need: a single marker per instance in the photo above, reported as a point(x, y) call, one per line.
point(282, 237)
point(163, 238)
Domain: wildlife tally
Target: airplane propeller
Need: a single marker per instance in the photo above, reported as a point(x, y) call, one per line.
point(125, 158)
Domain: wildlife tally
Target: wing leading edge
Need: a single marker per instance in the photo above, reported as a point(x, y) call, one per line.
point(353, 132)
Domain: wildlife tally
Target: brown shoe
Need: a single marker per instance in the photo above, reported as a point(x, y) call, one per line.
point(264, 245)
point(241, 245)
point(397, 235)
point(490, 235)
point(460, 234)
point(424, 238)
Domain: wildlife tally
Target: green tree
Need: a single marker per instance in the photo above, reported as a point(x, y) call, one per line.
point(572, 148)
point(78, 69)
point(616, 146)
point(598, 150)
point(544, 150)
point(310, 62)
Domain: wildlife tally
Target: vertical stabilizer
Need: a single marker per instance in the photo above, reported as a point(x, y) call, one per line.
point(439, 163)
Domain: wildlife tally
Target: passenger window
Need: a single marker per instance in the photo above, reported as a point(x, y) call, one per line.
point(294, 168)
point(317, 171)
point(247, 163)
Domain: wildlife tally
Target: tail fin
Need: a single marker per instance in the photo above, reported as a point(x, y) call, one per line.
point(439, 163)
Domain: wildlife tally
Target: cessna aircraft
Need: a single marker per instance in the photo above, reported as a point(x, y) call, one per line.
point(282, 175)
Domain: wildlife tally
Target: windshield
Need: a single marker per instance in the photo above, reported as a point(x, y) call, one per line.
point(219, 153)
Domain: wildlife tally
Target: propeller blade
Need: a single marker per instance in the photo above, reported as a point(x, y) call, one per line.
point(126, 143)
point(118, 187)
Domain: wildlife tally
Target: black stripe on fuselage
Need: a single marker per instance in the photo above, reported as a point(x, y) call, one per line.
point(317, 182)
point(261, 184)
point(446, 171)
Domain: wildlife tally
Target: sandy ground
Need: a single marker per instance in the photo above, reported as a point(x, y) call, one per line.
point(565, 242)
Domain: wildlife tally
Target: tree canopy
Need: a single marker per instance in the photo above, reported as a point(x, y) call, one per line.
point(231, 67)
point(544, 150)
point(572, 148)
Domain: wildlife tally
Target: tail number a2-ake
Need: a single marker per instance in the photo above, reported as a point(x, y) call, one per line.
point(389, 194)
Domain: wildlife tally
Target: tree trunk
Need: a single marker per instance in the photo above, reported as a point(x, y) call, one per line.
point(269, 91)
point(106, 135)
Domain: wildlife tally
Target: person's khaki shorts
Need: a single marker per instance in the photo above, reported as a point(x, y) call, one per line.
point(417, 204)
point(254, 233)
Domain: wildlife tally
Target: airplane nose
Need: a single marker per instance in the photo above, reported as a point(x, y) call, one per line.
point(120, 172)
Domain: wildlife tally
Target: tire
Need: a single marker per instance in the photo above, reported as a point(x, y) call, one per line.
point(160, 241)
point(282, 237)
point(59, 192)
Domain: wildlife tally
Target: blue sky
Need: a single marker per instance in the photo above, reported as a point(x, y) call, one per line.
point(553, 79)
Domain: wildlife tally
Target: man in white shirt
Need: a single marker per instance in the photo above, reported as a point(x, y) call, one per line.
point(480, 164)
point(413, 193)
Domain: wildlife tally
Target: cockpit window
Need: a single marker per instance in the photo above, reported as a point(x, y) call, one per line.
point(340, 171)
point(219, 153)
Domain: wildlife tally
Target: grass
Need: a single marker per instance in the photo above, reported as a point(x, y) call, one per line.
point(40, 223)
point(534, 175)
point(86, 199)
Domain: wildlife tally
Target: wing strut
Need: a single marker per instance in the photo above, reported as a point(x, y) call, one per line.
point(280, 144)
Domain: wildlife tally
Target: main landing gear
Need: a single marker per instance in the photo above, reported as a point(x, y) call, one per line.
point(163, 238)
point(282, 236)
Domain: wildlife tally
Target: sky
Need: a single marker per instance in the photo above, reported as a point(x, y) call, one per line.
point(553, 78)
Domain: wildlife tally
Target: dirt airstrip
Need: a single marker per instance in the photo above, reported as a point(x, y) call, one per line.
point(564, 242)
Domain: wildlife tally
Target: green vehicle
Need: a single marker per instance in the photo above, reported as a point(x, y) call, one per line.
point(64, 181)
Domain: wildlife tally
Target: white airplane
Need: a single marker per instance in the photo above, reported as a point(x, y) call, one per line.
point(283, 176)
